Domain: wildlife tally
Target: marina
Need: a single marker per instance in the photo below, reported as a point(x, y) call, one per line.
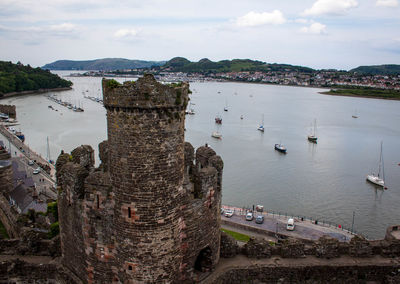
point(325, 181)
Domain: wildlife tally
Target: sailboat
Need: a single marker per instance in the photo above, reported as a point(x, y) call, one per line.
point(378, 179)
point(355, 115)
point(226, 106)
point(313, 137)
point(48, 152)
point(218, 119)
point(261, 127)
point(191, 110)
point(216, 134)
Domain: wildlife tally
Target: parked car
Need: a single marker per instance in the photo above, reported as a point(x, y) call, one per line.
point(260, 219)
point(290, 224)
point(228, 213)
point(36, 171)
point(249, 216)
point(31, 163)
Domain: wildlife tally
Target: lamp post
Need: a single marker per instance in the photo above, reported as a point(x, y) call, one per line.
point(352, 223)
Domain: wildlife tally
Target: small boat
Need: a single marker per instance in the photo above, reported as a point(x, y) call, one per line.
point(377, 179)
point(313, 137)
point(20, 136)
point(216, 134)
point(355, 115)
point(191, 110)
point(218, 119)
point(279, 147)
point(226, 106)
point(261, 127)
point(241, 117)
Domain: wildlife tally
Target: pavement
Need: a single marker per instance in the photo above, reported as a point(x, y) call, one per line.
point(274, 224)
point(23, 154)
point(21, 149)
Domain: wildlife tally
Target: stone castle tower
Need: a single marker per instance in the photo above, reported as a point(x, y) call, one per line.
point(150, 212)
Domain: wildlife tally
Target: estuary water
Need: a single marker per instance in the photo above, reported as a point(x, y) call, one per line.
point(325, 181)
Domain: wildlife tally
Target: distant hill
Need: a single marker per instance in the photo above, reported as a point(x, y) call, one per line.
point(19, 78)
point(391, 69)
point(106, 64)
point(180, 64)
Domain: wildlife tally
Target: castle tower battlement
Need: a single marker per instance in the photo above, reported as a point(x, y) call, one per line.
point(150, 213)
point(146, 160)
point(145, 93)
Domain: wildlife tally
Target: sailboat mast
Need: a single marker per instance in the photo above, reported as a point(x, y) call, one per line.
point(48, 149)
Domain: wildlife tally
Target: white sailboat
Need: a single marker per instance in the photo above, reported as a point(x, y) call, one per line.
point(355, 115)
point(217, 135)
point(380, 178)
point(313, 137)
point(261, 127)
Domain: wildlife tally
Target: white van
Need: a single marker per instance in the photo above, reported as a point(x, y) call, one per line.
point(290, 224)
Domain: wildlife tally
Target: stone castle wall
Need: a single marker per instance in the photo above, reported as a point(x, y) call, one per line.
point(149, 213)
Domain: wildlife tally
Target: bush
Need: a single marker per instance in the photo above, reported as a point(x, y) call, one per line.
point(53, 209)
point(54, 230)
point(113, 84)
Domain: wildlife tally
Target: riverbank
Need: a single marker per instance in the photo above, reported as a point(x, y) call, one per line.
point(40, 91)
point(365, 93)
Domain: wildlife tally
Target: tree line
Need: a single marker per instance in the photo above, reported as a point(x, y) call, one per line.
point(19, 78)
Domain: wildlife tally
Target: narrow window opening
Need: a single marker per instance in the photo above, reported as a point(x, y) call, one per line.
point(98, 201)
point(130, 267)
point(129, 212)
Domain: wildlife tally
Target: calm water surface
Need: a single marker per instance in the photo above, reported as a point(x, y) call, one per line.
point(325, 181)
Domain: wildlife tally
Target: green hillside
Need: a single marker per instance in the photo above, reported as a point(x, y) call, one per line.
point(390, 69)
point(18, 78)
point(180, 64)
point(107, 64)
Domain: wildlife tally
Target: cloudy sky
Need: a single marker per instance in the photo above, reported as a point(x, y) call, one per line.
point(340, 34)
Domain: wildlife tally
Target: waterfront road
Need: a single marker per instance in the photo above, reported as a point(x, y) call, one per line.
point(276, 226)
point(24, 150)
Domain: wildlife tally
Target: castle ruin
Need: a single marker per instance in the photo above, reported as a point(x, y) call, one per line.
point(150, 213)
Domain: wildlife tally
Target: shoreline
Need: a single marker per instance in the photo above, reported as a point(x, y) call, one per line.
point(40, 91)
point(356, 96)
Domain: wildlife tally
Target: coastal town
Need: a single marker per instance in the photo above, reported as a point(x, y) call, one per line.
point(321, 78)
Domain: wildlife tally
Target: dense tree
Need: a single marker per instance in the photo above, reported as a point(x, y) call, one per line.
point(18, 78)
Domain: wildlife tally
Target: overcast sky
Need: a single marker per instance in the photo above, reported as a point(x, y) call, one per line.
point(340, 34)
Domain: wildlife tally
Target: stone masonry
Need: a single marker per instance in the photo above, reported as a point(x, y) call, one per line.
point(150, 212)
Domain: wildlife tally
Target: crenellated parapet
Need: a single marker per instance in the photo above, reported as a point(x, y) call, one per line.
point(85, 211)
point(145, 93)
point(201, 219)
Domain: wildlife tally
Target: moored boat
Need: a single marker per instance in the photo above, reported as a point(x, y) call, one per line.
point(20, 135)
point(313, 137)
point(377, 179)
point(216, 134)
point(218, 119)
point(279, 147)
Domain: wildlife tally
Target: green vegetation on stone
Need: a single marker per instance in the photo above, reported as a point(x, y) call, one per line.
point(18, 78)
point(52, 208)
point(113, 84)
point(3, 232)
point(237, 236)
point(365, 92)
point(54, 230)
